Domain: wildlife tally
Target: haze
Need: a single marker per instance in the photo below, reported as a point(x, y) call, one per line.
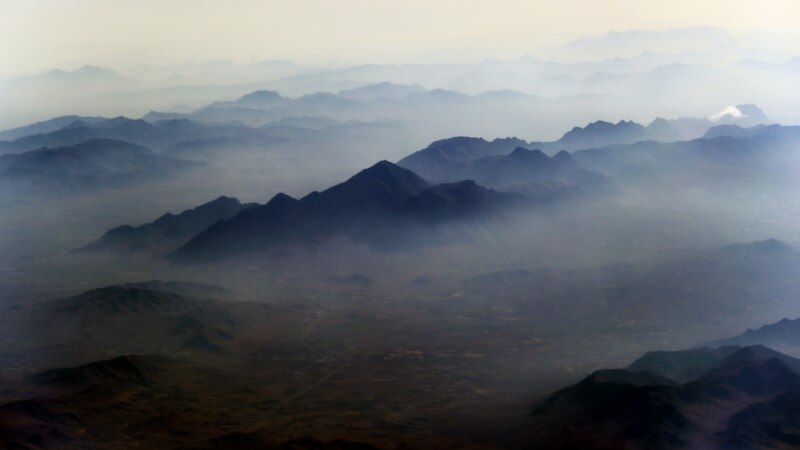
point(399, 225)
point(42, 34)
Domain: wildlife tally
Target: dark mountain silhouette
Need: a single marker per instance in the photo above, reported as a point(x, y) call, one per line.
point(169, 229)
point(279, 221)
point(355, 204)
point(453, 200)
point(63, 402)
point(373, 190)
point(94, 164)
point(370, 207)
point(601, 147)
point(435, 162)
point(522, 170)
point(782, 334)
point(613, 409)
point(754, 370)
point(682, 365)
point(769, 424)
point(600, 134)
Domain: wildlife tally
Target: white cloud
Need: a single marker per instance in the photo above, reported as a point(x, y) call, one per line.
point(730, 111)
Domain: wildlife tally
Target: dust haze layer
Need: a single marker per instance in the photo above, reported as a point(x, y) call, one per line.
point(442, 254)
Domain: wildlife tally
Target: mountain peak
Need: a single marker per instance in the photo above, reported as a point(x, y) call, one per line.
point(224, 199)
point(281, 199)
point(602, 133)
point(93, 71)
point(385, 170)
point(753, 354)
point(746, 114)
point(261, 95)
point(563, 156)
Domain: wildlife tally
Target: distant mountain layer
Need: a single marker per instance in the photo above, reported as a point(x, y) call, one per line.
point(378, 199)
point(242, 118)
point(600, 134)
point(435, 161)
point(510, 164)
point(749, 390)
point(440, 159)
point(383, 90)
point(782, 334)
point(373, 206)
point(169, 229)
point(521, 170)
point(46, 126)
point(157, 135)
point(722, 158)
point(90, 165)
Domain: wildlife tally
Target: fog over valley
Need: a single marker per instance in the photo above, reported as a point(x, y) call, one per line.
point(592, 244)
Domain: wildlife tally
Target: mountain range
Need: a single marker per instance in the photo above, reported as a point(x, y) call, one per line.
point(169, 229)
point(373, 206)
point(521, 170)
point(156, 135)
point(478, 179)
point(731, 397)
point(784, 334)
point(90, 165)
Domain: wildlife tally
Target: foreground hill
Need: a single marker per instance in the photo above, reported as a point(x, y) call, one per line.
point(728, 406)
point(374, 206)
point(139, 400)
point(148, 317)
point(169, 229)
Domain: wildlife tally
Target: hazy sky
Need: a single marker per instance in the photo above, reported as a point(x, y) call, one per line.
point(39, 34)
